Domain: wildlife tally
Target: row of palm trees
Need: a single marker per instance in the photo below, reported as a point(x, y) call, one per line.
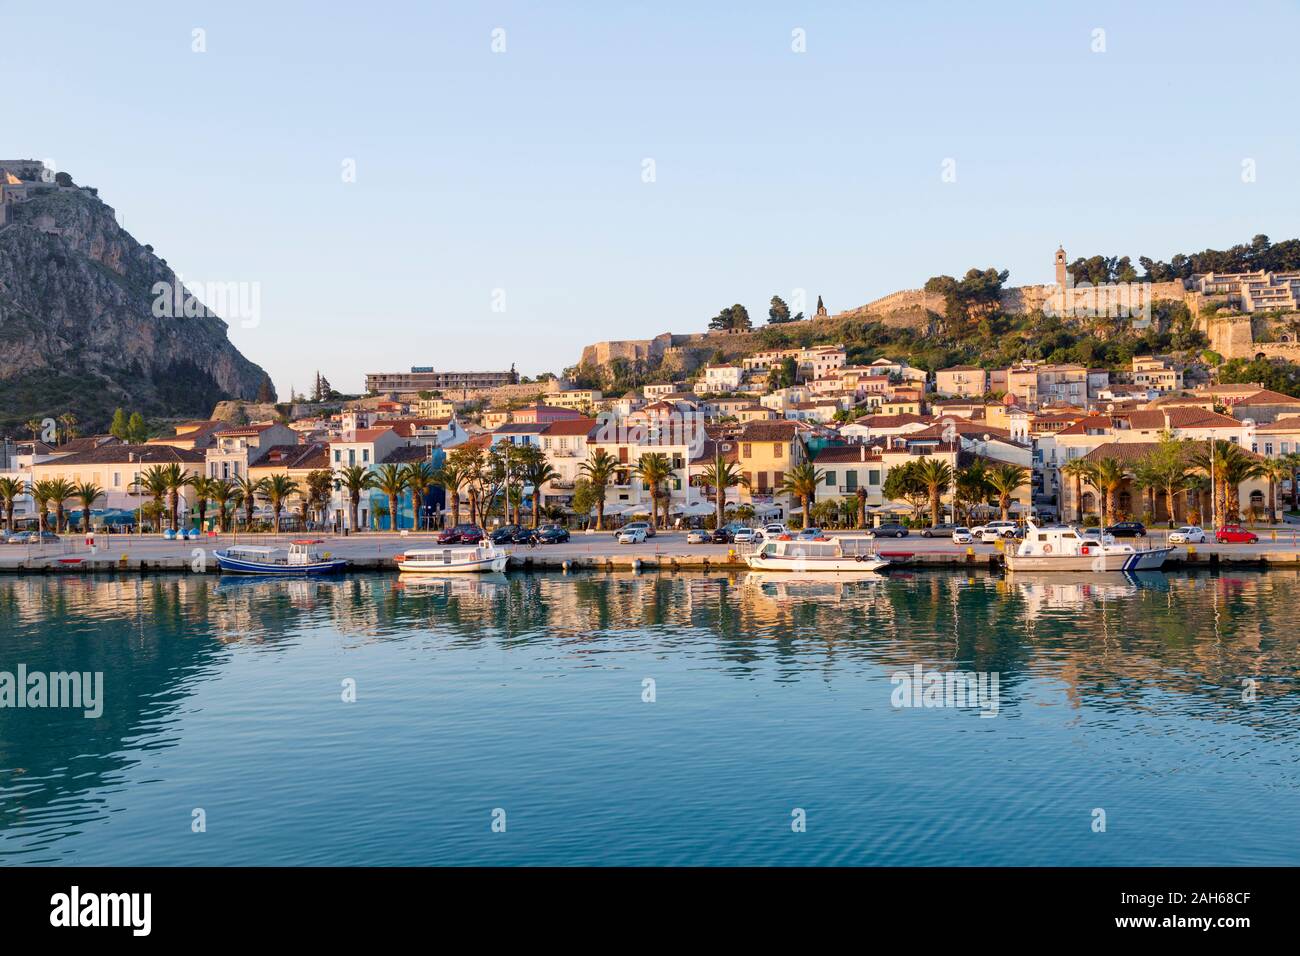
point(1182, 469)
point(67, 420)
point(925, 481)
point(166, 482)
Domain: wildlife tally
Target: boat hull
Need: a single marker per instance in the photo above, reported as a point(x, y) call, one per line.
point(233, 565)
point(1149, 560)
point(803, 565)
point(492, 565)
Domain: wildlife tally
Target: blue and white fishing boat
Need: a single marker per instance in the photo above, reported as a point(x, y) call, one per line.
point(301, 558)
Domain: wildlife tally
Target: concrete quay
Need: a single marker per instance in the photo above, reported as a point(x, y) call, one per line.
point(666, 552)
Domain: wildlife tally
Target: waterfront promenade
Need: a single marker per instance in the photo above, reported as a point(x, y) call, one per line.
point(667, 551)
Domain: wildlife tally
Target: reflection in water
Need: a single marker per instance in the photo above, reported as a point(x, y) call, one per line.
point(1118, 691)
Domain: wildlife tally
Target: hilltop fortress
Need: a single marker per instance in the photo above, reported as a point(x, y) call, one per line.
point(1244, 315)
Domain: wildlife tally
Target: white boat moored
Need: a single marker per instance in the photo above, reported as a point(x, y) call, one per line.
point(1064, 548)
point(817, 554)
point(481, 558)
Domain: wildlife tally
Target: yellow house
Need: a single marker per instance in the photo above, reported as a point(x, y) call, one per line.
point(435, 408)
point(767, 450)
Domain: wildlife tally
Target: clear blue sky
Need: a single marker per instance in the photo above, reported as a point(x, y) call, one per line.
point(522, 170)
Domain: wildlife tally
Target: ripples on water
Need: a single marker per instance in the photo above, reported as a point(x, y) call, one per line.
point(525, 693)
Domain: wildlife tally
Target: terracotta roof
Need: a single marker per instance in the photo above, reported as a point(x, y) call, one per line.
point(891, 421)
point(245, 430)
point(314, 455)
point(366, 434)
point(838, 454)
point(571, 426)
point(1266, 396)
point(124, 454)
point(405, 454)
point(777, 430)
point(1131, 452)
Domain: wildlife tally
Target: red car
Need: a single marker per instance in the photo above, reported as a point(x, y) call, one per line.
point(1235, 534)
point(461, 534)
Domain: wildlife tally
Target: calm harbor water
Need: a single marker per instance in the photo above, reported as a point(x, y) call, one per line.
point(526, 693)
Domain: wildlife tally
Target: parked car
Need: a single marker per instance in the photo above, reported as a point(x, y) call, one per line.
point(634, 533)
point(889, 531)
point(775, 530)
point(699, 536)
point(1235, 534)
point(808, 534)
point(1187, 534)
point(746, 535)
point(994, 530)
point(962, 536)
point(552, 534)
point(645, 526)
point(1126, 529)
point(461, 534)
point(721, 536)
point(506, 534)
point(938, 530)
point(34, 537)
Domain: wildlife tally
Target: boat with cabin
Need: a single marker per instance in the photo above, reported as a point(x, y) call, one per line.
point(482, 558)
point(857, 555)
point(301, 557)
point(1066, 548)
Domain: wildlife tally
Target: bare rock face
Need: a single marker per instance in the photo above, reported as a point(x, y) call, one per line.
point(79, 329)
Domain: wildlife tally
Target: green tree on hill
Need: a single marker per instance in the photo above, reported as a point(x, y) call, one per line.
point(778, 312)
point(732, 319)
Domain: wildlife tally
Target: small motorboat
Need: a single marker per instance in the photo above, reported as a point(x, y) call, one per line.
point(1065, 548)
point(302, 557)
point(817, 554)
point(482, 558)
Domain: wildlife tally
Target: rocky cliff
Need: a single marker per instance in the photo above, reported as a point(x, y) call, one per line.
point(79, 324)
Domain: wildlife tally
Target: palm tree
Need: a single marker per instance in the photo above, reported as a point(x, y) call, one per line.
point(1239, 466)
point(356, 479)
point(248, 490)
point(11, 489)
point(1276, 470)
point(1293, 462)
point(1106, 476)
point(420, 477)
point(202, 494)
point(87, 492)
point(69, 423)
point(453, 478)
point(802, 482)
point(599, 470)
point(655, 470)
point(390, 480)
point(1080, 470)
point(1146, 478)
point(1006, 480)
point(176, 479)
point(717, 478)
point(60, 490)
point(34, 426)
point(153, 482)
point(862, 506)
point(970, 487)
point(278, 489)
point(936, 475)
point(1230, 465)
point(41, 495)
point(223, 492)
point(537, 472)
